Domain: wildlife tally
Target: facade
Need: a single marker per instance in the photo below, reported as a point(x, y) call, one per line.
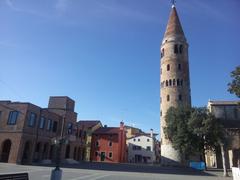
point(141, 149)
point(87, 127)
point(109, 144)
point(175, 80)
point(27, 131)
point(229, 114)
point(132, 131)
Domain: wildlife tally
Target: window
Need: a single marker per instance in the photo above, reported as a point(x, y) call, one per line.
point(180, 97)
point(49, 125)
point(179, 67)
point(177, 82)
point(12, 118)
point(181, 49)
point(97, 144)
point(176, 49)
point(96, 153)
point(80, 133)
point(166, 82)
point(110, 143)
point(55, 124)
point(168, 98)
point(162, 52)
point(0, 114)
point(174, 82)
point(84, 134)
point(148, 140)
point(168, 67)
point(31, 119)
point(170, 82)
point(42, 123)
point(138, 139)
point(136, 147)
point(110, 155)
point(160, 113)
point(134, 139)
point(181, 83)
point(69, 128)
point(148, 148)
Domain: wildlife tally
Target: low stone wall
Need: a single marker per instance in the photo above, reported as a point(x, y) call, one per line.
point(236, 173)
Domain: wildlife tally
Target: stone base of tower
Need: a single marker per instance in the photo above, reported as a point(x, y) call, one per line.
point(170, 156)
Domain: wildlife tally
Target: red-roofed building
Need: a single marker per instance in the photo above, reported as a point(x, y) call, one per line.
point(109, 144)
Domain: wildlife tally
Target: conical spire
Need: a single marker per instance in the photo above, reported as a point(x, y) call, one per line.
point(174, 26)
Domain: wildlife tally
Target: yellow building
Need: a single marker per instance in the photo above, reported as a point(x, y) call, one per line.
point(88, 127)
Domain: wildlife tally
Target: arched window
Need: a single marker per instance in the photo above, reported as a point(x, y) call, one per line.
point(179, 67)
point(176, 49)
point(180, 97)
point(174, 82)
point(162, 52)
point(168, 67)
point(170, 82)
point(181, 49)
point(181, 83)
point(168, 98)
point(177, 82)
point(166, 82)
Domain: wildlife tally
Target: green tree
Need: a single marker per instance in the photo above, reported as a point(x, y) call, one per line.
point(234, 86)
point(178, 132)
point(193, 130)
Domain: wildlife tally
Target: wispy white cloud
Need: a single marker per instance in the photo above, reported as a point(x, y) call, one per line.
point(12, 5)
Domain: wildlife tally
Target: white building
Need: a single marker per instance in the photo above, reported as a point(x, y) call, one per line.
point(141, 148)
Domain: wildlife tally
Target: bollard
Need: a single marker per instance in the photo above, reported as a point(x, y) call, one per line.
point(56, 174)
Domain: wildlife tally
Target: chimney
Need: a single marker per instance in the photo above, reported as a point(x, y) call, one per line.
point(151, 133)
point(121, 125)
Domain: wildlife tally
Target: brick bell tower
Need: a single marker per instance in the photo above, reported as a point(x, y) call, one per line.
point(175, 82)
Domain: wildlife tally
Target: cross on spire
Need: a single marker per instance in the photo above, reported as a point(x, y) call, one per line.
point(173, 3)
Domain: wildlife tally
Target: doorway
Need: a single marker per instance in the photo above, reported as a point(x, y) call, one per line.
point(6, 150)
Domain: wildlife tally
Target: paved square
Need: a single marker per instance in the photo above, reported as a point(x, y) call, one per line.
point(101, 171)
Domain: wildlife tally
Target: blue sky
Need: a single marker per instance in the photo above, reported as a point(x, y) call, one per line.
point(105, 54)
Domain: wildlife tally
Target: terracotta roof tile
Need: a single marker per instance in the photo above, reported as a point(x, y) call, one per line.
point(174, 26)
point(107, 130)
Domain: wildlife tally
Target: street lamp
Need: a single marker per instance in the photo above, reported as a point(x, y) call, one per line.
point(57, 172)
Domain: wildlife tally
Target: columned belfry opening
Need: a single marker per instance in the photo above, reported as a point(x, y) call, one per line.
point(175, 86)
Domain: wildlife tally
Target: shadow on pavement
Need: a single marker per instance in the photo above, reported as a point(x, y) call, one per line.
point(142, 168)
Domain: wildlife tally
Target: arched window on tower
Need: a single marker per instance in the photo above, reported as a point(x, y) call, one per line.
point(180, 97)
point(168, 98)
point(179, 67)
point(178, 82)
point(174, 82)
point(162, 52)
point(168, 67)
point(166, 82)
point(181, 49)
point(170, 82)
point(176, 49)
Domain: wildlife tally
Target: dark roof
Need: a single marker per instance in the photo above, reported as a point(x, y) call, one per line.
point(143, 134)
point(229, 103)
point(107, 130)
point(88, 123)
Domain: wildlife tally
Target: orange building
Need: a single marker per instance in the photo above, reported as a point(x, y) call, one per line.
point(109, 144)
